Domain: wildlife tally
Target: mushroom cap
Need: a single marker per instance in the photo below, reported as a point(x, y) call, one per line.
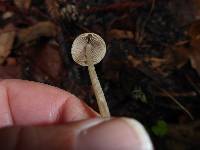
point(96, 48)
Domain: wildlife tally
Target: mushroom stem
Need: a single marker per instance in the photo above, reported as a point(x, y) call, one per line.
point(101, 101)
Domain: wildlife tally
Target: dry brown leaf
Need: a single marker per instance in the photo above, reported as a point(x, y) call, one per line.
point(196, 5)
point(7, 36)
point(46, 28)
point(134, 61)
point(156, 62)
point(7, 15)
point(48, 64)
point(195, 59)
point(194, 30)
point(53, 8)
point(194, 54)
point(23, 4)
point(180, 56)
point(185, 13)
point(174, 58)
point(120, 34)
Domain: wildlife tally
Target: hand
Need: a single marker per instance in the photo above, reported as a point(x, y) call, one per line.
point(37, 116)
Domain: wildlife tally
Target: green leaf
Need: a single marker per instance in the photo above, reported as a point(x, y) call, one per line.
point(160, 129)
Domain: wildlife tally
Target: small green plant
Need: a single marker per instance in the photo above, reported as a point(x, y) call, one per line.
point(160, 128)
point(138, 94)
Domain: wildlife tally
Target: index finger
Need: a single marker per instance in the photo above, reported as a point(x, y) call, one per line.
point(30, 103)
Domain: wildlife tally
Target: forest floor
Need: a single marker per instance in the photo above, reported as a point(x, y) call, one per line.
point(151, 71)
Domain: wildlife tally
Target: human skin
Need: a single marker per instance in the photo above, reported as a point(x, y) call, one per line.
point(39, 116)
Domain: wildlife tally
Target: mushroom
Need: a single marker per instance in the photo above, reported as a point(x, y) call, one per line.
point(89, 49)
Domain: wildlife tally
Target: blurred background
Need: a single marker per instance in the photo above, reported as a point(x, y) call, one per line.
point(151, 71)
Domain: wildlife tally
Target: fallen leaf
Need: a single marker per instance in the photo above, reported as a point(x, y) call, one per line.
point(196, 5)
point(194, 53)
point(23, 4)
point(180, 55)
point(7, 15)
point(134, 61)
point(191, 53)
point(46, 29)
point(174, 58)
point(120, 34)
point(48, 64)
point(53, 8)
point(7, 37)
point(185, 13)
point(194, 30)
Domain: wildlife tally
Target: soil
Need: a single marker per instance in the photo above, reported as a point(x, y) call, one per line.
point(150, 71)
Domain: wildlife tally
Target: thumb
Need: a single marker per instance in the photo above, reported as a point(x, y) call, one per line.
point(97, 134)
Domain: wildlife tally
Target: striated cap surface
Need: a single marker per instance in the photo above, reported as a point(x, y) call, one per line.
point(93, 43)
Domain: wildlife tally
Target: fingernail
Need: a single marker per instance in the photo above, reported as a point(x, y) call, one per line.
point(144, 141)
point(115, 134)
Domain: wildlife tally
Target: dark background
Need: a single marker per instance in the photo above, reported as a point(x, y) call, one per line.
point(150, 71)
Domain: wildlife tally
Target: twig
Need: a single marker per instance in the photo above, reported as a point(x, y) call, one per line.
point(139, 37)
point(177, 94)
point(193, 84)
point(177, 102)
point(114, 7)
point(157, 82)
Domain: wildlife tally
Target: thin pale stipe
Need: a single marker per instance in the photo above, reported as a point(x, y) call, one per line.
point(89, 49)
